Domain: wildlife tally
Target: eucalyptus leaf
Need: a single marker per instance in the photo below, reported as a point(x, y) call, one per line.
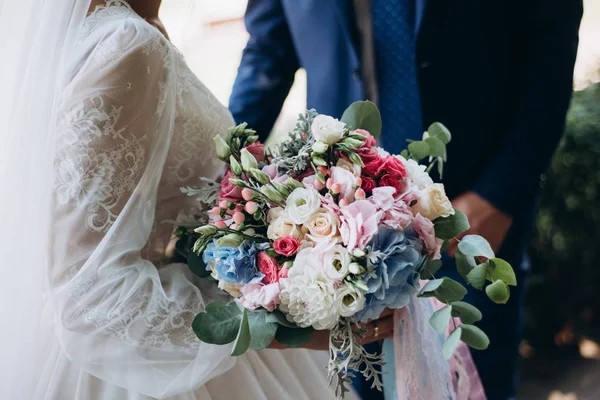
point(451, 226)
point(451, 342)
point(430, 287)
point(419, 150)
point(498, 292)
point(277, 316)
point(475, 246)
point(503, 271)
point(468, 313)
point(242, 341)
point(440, 319)
point(464, 264)
point(439, 131)
point(430, 268)
point(293, 337)
point(219, 323)
point(363, 115)
point(436, 147)
point(450, 291)
point(197, 265)
point(474, 337)
point(262, 329)
point(477, 276)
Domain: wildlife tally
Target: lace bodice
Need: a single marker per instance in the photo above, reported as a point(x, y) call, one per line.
point(134, 126)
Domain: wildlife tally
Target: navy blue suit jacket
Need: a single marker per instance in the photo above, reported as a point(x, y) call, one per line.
point(497, 73)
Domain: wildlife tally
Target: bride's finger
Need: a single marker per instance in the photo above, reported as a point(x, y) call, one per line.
point(379, 329)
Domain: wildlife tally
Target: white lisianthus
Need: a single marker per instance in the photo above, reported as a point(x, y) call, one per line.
point(350, 301)
point(336, 263)
point(327, 129)
point(319, 147)
point(307, 297)
point(323, 226)
point(416, 173)
point(349, 166)
point(432, 202)
point(301, 204)
point(282, 226)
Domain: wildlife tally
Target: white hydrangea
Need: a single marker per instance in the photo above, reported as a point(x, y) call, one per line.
point(307, 297)
point(416, 173)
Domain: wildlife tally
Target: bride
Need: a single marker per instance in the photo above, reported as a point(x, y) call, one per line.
point(102, 124)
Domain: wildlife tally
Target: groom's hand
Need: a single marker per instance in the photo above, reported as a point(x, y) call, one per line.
point(485, 220)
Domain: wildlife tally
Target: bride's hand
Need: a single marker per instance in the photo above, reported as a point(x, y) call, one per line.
point(378, 329)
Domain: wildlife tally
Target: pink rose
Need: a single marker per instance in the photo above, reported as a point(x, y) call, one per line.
point(388, 180)
point(367, 184)
point(370, 142)
point(286, 246)
point(269, 267)
point(228, 191)
point(368, 154)
point(257, 149)
point(259, 295)
point(392, 166)
point(359, 223)
point(426, 231)
point(270, 170)
point(346, 180)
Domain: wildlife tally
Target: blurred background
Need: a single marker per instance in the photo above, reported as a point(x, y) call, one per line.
point(561, 347)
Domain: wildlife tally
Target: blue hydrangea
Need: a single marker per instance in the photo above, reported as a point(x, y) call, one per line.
point(235, 265)
point(397, 257)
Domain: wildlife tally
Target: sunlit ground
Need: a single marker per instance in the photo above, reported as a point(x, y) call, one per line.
point(212, 36)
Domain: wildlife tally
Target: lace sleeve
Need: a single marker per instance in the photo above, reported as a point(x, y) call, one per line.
point(118, 316)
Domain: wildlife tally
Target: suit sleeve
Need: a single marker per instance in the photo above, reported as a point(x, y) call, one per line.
point(545, 86)
point(267, 69)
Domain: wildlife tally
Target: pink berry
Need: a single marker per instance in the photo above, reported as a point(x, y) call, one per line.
point(360, 194)
point(233, 226)
point(247, 194)
point(343, 203)
point(251, 207)
point(216, 211)
point(238, 217)
point(223, 204)
point(336, 188)
point(220, 224)
point(319, 185)
point(329, 183)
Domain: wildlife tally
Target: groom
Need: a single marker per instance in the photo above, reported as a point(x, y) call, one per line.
point(497, 73)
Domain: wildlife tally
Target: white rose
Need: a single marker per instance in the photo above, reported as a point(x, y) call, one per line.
point(301, 204)
point(432, 202)
point(327, 129)
point(350, 301)
point(416, 173)
point(283, 226)
point(323, 225)
point(336, 263)
point(349, 166)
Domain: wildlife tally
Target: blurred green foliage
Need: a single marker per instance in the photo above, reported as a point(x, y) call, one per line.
point(564, 293)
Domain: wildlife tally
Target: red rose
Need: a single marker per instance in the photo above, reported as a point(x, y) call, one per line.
point(391, 165)
point(257, 149)
point(286, 246)
point(228, 191)
point(372, 167)
point(368, 184)
point(367, 154)
point(389, 180)
point(269, 267)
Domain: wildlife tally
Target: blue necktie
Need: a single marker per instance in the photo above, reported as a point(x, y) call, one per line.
point(395, 59)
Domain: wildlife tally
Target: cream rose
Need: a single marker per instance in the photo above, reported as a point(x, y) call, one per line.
point(283, 226)
point(350, 301)
point(301, 204)
point(327, 129)
point(432, 202)
point(323, 226)
point(336, 263)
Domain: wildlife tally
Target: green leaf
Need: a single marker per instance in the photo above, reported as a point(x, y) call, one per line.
point(363, 115)
point(431, 267)
point(419, 150)
point(502, 270)
point(498, 292)
point(452, 226)
point(477, 276)
point(474, 337)
point(451, 343)
point(464, 264)
point(197, 265)
point(475, 246)
point(277, 316)
point(430, 287)
point(439, 131)
point(468, 313)
point(440, 319)
point(404, 153)
point(293, 337)
point(450, 291)
point(262, 329)
point(242, 341)
point(436, 147)
point(219, 323)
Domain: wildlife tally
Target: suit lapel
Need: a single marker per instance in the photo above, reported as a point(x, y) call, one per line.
point(419, 13)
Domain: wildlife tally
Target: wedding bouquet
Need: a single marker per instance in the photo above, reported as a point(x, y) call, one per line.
point(327, 231)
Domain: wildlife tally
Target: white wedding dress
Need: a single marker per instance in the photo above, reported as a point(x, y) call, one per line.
point(135, 125)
